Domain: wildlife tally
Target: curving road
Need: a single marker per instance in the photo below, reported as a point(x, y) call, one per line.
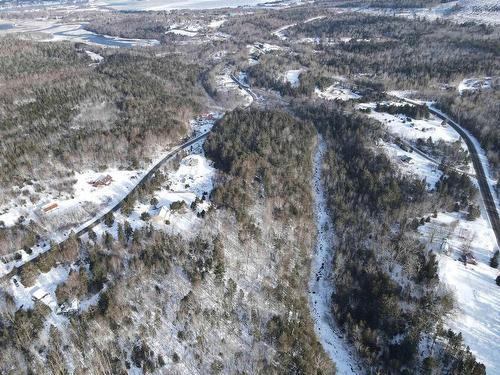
point(484, 186)
point(482, 179)
point(92, 223)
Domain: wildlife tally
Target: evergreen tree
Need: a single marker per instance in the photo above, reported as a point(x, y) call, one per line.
point(108, 240)
point(473, 213)
point(109, 219)
point(129, 231)
point(121, 233)
point(494, 259)
point(154, 202)
point(92, 235)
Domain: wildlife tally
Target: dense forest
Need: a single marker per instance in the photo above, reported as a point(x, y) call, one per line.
point(232, 297)
point(380, 53)
point(165, 302)
point(58, 109)
point(62, 114)
point(401, 52)
point(375, 213)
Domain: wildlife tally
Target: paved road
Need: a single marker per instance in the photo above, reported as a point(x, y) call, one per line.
point(484, 186)
point(244, 87)
point(427, 157)
point(91, 224)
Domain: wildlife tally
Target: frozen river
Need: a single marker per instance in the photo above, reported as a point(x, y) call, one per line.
point(51, 31)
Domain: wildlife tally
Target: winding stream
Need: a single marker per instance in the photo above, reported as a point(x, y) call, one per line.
point(320, 287)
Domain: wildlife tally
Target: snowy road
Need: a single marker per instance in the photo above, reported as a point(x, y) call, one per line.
point(5, 269)
point(320, 285)
point(482, 168)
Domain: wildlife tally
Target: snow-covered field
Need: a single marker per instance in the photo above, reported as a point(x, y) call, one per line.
point(293, 77)
point(477, 313)
point(182, 32)
point(411, 129)
point(412, 163)
point(475, 84)
point(71, 209)
point(95, 57)
point(320, 288)
point(336, 92)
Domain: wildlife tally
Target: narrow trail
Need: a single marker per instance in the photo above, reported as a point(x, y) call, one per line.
point(320, 286)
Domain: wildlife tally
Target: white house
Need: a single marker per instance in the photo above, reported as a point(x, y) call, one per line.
point(162, 215)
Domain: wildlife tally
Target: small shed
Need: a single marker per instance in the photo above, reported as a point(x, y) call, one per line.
point(50, 207)
point(102, 181)
point(162, 215)
point(405, 159)
point(38, 294)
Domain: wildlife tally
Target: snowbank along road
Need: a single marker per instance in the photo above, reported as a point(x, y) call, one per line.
point(320, 284)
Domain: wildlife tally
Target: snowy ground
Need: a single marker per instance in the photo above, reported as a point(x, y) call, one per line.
point(320, 286)
point(482, 157)
point(44, 288)
point(280, 33)
point(476, 314)
point(192, 179)
point(215, 24)
point(480, 151)
point(461, 11)
point(182, 32)
point(418, 166)
point(84, 204)
point(336, 92)
point(84, 198)
point(478, 298)
point(474, 84)
point(258, 49)
point(411, 129)
point(95, 57)
point(144, 5)
point(293, 77)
